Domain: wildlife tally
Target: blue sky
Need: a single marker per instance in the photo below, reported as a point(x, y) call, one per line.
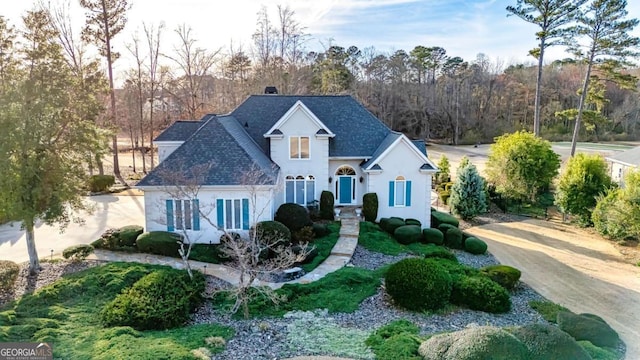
point(463, 27)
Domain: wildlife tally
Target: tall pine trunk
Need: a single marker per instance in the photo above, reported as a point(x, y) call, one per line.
point(536, 106)
point(583, 98)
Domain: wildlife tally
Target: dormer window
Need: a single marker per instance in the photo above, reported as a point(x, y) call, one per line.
point(299, 147)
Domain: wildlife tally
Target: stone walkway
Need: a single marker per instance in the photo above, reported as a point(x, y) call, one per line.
point(339, 257)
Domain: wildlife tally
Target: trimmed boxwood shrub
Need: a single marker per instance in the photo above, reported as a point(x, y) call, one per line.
point(320, 230)
point(101, 183)
point(432, 236)
point(413, 222)
point(9, 271)
point(127, 235)
point(326, 205)
point(370, 206)
point(384, 222)
point(77, 252)
point(418, 284)
point(293, 216)
point(504, 275)
point(159, 243)
point(475, 246)
point(453, 239)
point(598, 353)
point(439, 217)
point(408, 234)
point(391, 225)
point(445, 227)
point(482, 293)
point(587, 328)
point(272, 230)
point(162, 299)
point(546, 341)
point(483, 342)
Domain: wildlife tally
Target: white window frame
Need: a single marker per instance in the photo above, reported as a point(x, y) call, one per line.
point(233, 214)
point(299, 144)
point(400, 180)
point(180, 221)
point(306, 181)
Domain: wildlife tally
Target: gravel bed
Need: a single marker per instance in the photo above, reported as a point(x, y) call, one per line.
point(267, 338)
point(50, 272)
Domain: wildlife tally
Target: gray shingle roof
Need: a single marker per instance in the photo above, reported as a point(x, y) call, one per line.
point(384, 145)
point(358, 132)
point(181, 130)
point(222, 144)
point(629, 157)
point(420, 145)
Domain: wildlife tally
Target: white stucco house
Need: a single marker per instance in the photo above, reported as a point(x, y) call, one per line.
point(276, 149)
point(623, 162)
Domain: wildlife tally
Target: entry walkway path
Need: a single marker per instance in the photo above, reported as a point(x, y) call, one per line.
point(339, 257)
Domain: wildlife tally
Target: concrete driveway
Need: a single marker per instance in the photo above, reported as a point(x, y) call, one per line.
point(572, 268)
point(110, 211)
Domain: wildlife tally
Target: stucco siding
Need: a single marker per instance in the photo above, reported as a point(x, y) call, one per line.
point(402, 161)
point(156, 214)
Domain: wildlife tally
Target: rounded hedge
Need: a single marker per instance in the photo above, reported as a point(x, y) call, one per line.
point(582, 327)
point(483, 294)
point(326, 205)
point(413, 222)
point(391, 225)
point(433, 236)
point(453, 239)
point(475, 246)
point(384, 222)
point(546, 341)
point(445, 227)
point(439, 217)
point(77, 252)
point(273, 232)
point(159, 242)
point(418, 284)
point(408, 234)
point(293, 216)
point(483, 342)
point(127, 235)
point(504, 275)
point(162, 299)
point(320, 230)
point(9, 271)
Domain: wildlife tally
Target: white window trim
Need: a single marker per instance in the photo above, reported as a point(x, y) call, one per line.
point(294, 181)
point(224, 213)
point(299, 148)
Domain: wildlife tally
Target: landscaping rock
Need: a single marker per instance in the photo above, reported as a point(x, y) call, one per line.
point(485, 342)
point(583, 327)
point(546, 341)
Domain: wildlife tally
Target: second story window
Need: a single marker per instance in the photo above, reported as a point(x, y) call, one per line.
point(299, 147)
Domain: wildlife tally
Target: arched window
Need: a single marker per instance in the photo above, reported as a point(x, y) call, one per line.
point(345, 170)
point(300, 190)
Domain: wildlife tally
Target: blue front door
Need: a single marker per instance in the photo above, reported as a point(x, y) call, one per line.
point(345, 190)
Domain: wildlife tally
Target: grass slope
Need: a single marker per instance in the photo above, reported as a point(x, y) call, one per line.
point(324, 246)
point(66, 314)
point(373, 238)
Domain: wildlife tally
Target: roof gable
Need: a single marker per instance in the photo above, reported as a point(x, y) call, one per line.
point(297, 107)
point(630, 157)
point(393, 140)
point(357, 132)
point(181, 130)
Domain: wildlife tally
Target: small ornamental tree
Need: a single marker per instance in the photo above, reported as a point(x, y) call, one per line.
point(584, 178)
point(521, 165)
point(468, 198)
point(445, 170)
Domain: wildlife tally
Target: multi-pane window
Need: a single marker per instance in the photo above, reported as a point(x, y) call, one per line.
point(299, 147)
point(233, 214)
point(300, 190)
point(183, 215)
point(400, 192)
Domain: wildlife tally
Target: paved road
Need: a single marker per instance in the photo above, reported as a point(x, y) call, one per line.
point(110, 211)
point(573, 268)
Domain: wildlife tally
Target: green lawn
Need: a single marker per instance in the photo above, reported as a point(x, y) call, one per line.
point(66, 314)
point(324, 246)
point(373, 238)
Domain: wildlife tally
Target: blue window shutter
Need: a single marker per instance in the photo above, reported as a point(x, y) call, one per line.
point(169, 215)
point(195, 206)
point(245, 214)
point(408, 200)
point(220, 209)
point(392, 192)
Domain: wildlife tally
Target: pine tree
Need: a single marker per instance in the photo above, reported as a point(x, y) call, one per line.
point(468, 197)
point(444, 168)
